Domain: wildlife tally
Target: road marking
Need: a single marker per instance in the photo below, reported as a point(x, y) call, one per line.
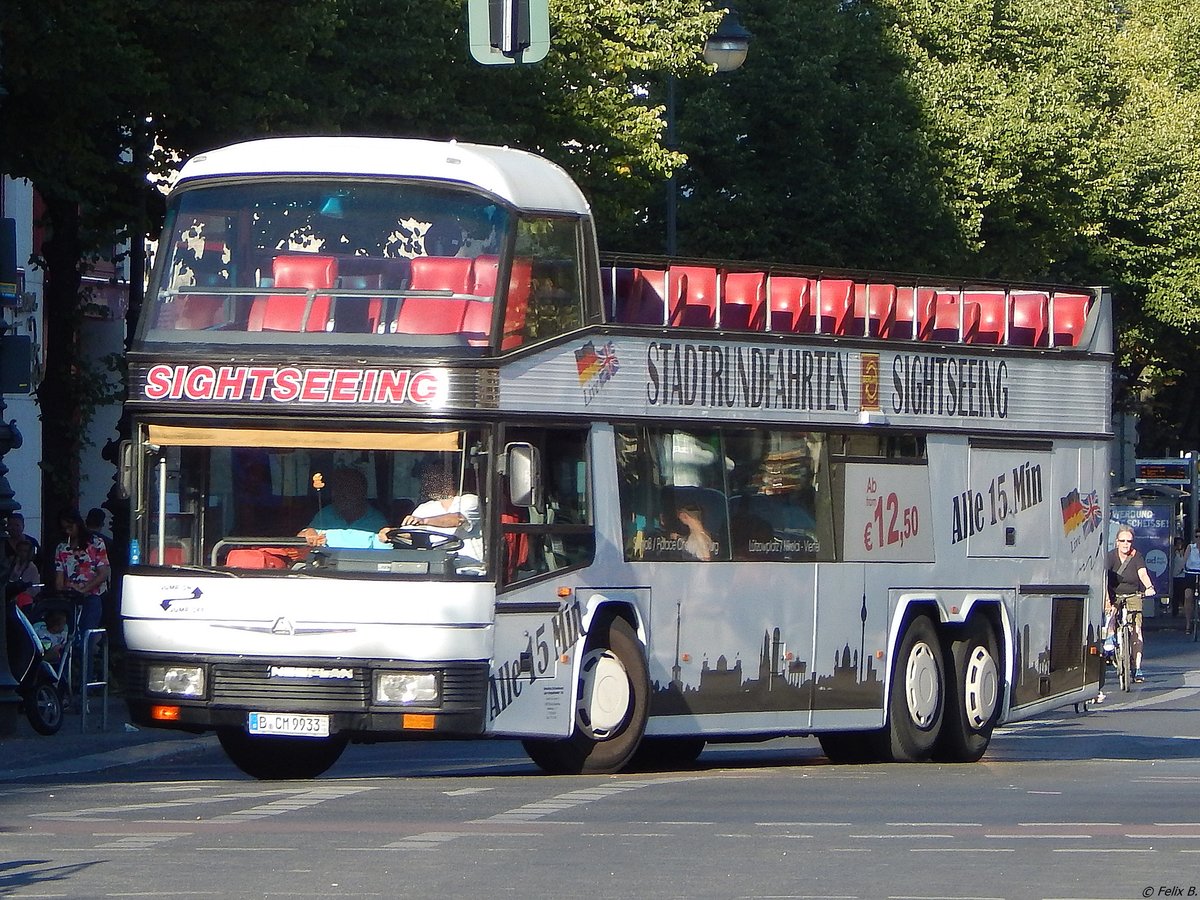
point(962, 850)
point(141, 841)
point(1042, 837)
point(906, 836)
point(462, 792)
point(935, 824)
point(1163, 834)
point(103, 812)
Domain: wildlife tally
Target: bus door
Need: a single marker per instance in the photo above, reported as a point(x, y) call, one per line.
point(544, 508)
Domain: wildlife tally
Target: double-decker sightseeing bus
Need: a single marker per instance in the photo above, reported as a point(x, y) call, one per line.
point(410, 459)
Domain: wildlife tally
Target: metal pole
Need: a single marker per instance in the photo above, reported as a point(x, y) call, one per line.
point(672, 186)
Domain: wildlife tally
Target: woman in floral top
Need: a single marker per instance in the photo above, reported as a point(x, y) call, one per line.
point(81, 564)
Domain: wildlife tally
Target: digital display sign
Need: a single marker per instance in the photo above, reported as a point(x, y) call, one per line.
point(1163, 471)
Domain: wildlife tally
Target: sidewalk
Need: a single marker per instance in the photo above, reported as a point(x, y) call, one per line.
point(27, 754)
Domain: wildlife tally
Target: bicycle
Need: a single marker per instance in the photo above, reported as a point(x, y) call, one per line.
point(1191, 611)
point(1124, 638)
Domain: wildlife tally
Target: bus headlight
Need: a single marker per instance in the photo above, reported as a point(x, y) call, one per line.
point(178, 681)
point(406, 688)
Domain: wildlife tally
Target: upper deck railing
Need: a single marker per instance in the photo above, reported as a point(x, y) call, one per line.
point(729, 297)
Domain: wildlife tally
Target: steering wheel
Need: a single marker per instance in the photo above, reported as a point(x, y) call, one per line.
point(420, 539)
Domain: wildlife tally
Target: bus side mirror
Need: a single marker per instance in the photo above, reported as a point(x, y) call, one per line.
point(523, 467)
point(125, 470)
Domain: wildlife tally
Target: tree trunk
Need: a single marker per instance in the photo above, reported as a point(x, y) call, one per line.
point(58, 394)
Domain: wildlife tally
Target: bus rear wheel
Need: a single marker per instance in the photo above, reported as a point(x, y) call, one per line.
point(917, 696)
point(280, 758)
point(972, 692)
point(610, 715)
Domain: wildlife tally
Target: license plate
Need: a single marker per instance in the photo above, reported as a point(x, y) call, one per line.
point(288, 723)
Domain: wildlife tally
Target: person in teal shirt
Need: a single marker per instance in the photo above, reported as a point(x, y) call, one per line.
point(348, 510)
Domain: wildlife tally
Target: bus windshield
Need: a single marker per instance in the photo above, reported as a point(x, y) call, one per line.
point(340, 261)
point(248, 498)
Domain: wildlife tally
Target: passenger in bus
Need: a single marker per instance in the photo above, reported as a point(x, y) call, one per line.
point(697, 542)
point(348, 510)
point(446, 512)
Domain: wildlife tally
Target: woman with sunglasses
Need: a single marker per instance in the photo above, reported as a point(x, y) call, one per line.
point(1128, 582)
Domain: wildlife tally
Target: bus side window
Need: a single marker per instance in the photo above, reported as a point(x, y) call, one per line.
point(545, 299)
point(561, 536)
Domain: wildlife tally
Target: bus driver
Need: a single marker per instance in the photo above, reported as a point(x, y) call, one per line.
point(349, 509)
point(446, 512)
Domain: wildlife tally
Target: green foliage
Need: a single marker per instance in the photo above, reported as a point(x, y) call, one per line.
point(1049, 139)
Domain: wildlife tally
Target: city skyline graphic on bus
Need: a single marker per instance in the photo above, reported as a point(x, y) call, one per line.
point(774, 683)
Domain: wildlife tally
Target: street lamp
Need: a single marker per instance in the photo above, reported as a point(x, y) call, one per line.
point(725, 49)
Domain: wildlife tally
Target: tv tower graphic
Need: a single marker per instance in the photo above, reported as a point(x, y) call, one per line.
point(862, 640)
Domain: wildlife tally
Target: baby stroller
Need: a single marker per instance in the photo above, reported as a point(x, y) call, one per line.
point(42, 683)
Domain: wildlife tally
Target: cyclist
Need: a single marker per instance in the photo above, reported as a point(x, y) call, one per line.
point(1191, 570)
point(1129, 583)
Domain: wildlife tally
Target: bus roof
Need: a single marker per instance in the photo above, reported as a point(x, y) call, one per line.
point(523, 179)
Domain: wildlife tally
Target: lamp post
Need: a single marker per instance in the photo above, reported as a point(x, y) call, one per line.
point(725, 49)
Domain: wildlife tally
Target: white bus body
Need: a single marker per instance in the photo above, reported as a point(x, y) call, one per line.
point(714, 501)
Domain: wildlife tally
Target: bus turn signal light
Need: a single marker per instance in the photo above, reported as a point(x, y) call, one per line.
point(165, 713)
point(415, 720)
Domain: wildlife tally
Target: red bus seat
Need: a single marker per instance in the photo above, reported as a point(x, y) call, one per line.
point(485, 271)
point(173, 555)
point(789, 300)
point(914, 314)
point(431, 315)
point(743, 300)
point(834, 301)
point(646, 304)
point(953, 320)
point(992, 314)
point(620, 293)
point(477, 321)
point(874, 311)
point(693, 293)
point(1068, 314)
point(1028, 319)
point(292, 312)
point(516, 305)
point(442, 273)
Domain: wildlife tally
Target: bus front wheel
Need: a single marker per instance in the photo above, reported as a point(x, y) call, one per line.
point(610, 715)
point(972, 693)
point(917, 697)
point(280, 758)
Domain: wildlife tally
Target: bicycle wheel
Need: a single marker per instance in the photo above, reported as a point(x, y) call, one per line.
point(1124, 675)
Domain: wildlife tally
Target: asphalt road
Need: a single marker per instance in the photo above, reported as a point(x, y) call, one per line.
point(1096, 804)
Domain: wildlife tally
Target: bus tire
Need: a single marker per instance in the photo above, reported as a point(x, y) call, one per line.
point(658, 754)
point(850, 746)
point(972, 692)
point(44, 706)
point(280, 758)
point(918, 694)
point(611, 712)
